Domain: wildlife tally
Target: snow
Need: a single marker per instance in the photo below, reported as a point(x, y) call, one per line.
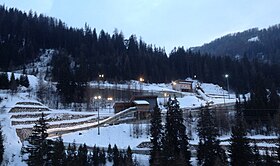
point(117, 134)
point(254, 39)
point(33, 81)
point(190, 102)
point(42, 63)
point(212, 89)
point(142, 159)
point(141, 102)
point(12, 143)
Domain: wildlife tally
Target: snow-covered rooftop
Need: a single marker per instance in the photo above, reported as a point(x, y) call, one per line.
point(141, 102)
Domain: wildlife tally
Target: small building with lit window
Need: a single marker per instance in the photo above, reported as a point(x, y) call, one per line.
point(183, 85)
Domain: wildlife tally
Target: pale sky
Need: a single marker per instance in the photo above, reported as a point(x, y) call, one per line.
point(164, 23)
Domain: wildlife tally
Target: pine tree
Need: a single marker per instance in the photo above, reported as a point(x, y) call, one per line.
point(95, 156)
point(26, 81)
point(122, 158)
point(240, 150)
point(13, 83)
point(71, 154)
point(59, 156)
point(209, 151)
point(4, 81)
point(116, 156)
point(156, 137)
point(23, 81)
point(129, 160)
point(175, 142)
point(1, 145)
point(39, 150)
point(102, 157)
point(82, 155)
point(110, 153)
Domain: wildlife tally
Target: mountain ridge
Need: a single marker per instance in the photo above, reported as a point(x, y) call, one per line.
point(266, 45)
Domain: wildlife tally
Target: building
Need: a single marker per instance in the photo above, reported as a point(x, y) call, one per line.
point(120, 106)
point(183, 85)
point(151, 99)
point(143, 104)
point(143, 109)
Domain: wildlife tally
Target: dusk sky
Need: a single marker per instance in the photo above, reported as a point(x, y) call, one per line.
point(164, 23)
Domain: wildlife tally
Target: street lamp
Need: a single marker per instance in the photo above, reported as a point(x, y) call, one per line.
point(165, 96)
point(226, 76)
point(101, 75)
point(98, 129)
point(141, 80)
point(109, 99)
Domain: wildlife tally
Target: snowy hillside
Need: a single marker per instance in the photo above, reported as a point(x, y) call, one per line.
point(20, 111)
point(33, 80)
point(41, 64)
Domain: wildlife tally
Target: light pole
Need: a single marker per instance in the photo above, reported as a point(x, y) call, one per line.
point(100, 78)
point(224, 96)
point(227, 85)
point(109, 99)
point(165, 95)
point(98, 129)
point(141, 80)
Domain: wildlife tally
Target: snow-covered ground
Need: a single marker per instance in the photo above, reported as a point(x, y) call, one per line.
point(121, 135)
point(12, 142)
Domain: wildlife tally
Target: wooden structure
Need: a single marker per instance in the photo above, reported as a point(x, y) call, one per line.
point(143, 109)
point(120, 106)
point(151, 99)
point(144, 105)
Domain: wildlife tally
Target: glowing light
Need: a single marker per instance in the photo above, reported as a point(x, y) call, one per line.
point(97, 97)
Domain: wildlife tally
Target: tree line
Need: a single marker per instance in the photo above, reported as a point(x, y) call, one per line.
point(12, 83)
point(264, 44)
point(167, 148)
point(88, 54)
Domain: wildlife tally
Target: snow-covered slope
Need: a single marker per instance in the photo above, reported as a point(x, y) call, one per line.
point(33, 80)
point(41, 64)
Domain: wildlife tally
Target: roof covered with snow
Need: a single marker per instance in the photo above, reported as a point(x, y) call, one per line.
point(141, 102)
